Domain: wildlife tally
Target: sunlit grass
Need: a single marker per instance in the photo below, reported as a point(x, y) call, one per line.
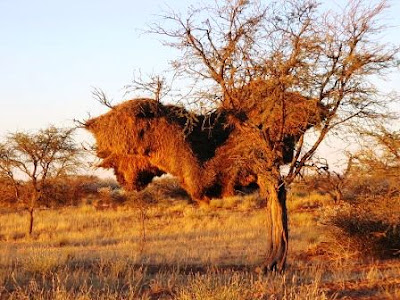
point(186, 252)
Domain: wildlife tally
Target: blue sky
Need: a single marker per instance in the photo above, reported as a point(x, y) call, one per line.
point(52, 54)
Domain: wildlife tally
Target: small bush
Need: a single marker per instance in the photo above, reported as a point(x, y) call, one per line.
point(63, 191)
point(161, 189)
point(167, 187)
point(372, 226)
point(73, 190)
point(368, 187)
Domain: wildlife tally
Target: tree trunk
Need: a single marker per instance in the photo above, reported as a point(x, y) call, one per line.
point(31, 220)
point(277, 225)
point(34, 200)
point(338, 196)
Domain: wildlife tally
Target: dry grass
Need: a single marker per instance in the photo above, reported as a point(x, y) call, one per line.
point(372, 226)
point(141, 139)
point(209, 252)
point(210, 154)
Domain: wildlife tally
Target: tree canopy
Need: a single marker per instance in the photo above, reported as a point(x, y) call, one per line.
point(274, 70)
point(38, 157)
point(247, 55)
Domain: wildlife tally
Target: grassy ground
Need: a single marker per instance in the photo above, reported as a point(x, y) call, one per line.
point(183, 252)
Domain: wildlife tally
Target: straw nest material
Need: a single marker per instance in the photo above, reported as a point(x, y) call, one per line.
point(212, 155)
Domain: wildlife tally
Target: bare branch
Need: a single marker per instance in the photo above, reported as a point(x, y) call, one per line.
point(102, 98)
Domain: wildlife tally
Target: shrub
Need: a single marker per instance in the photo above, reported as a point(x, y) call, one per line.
point(63, 191)
point(159, 190)
point(372, 225)
point(7, 194)
point(70, 190)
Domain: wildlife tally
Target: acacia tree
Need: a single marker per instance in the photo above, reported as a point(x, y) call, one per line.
point(384, 156)
point(378, 160)
point(38, 157)
point(326, 180)
point(247, 55)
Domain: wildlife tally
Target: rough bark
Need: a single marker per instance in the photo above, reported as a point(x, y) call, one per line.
point(31, 220)
point(274, 191)
point(34, 200)
point(337, 195)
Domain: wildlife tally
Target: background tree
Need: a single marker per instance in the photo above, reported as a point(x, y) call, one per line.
point(378, 162)
point(382, 152)
point(38, 157)
point(329, 181)
point(370, 216)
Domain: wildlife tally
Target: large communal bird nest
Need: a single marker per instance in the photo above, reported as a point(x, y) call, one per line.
point(213, 155)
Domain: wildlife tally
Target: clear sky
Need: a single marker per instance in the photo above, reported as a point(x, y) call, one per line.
point(52, 54)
